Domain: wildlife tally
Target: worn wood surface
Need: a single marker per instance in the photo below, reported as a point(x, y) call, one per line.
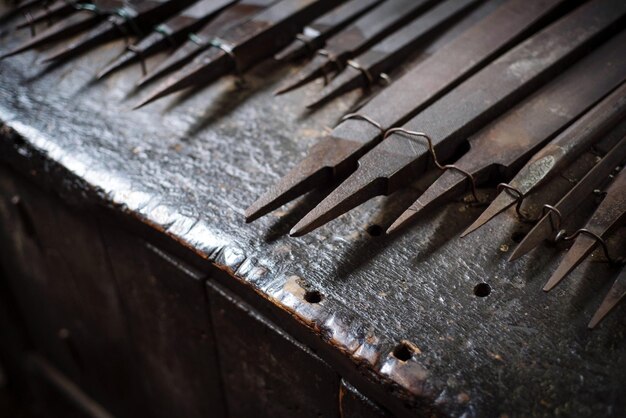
point(174, 351)
point(264, 371)
point(189, 166)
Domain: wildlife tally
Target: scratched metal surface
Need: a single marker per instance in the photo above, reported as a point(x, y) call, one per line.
point(191, 164)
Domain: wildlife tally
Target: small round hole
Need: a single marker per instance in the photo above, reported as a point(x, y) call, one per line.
point(482, 289)
point(313, 296)
point(375, 230)
point(402, 352)
point(518, 236)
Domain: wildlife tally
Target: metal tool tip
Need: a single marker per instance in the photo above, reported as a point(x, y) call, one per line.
point(402, 221)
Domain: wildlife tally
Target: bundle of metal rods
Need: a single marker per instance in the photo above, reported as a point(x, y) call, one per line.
point(527, 88)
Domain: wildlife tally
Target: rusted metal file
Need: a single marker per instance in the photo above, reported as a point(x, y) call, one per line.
point(367, 68)
point(316, 33)
point(500, 148)
point(559, 153)
point(169, 33)
point(358, 37)
point(200, 41)
point(444, 125)
point(51, 10)
point(550, 224)
point(83, 18)
point(610, 215)
point(337, 154)
point(134, 18)
point(613, 298)
point(241, 47)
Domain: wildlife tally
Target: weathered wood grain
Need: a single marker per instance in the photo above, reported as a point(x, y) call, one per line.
point(190, 170)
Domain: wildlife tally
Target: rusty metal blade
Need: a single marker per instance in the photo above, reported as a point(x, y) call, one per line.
point(544, 229)
point(483, 97)
point(610, 214)
point(410, 94)
point(21, 7)
point(72, 24)
point(559, 153)
point(507, 142)
point(242, 47)
point(316, 33)
point(366, 68)
point(170, 33)
point(613, 298)
point(234, 16)
point(358, 37)
point(53, 10)
point(133, 18)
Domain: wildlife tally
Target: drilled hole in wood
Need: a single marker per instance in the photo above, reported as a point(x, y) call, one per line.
point(375, 230)
point(313, 296)
point(518, 236)
point(402, 352)
point(482, 290)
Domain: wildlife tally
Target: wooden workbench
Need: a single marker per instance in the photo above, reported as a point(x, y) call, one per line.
point(134, 281)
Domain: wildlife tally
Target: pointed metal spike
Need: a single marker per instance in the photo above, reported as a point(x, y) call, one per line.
point(357, 189)
point(344, 82)
point(66, 27)
point(583, 246)
point(317, 68)
point(233, 16)
point(204, 69)
point(610, 214)
point(124, 59)
point(170, 33)
point(615, 295)
point(317, 32)
point(501, 203)
point(104, 31)
point(448, 184)
point(58, 8)
point(323, 161)
point(182, 56)
point(568, 204)
point(294, 50)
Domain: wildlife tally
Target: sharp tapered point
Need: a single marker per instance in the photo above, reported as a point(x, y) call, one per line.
point(405, 219)
point(290, 52)
point(318, 70)
point(540, 232)
point(315, 170)
point(582, 247)
point(501, 203)
point(344, 82)
point(357, 189)
point(611, 300)
point(116, 64)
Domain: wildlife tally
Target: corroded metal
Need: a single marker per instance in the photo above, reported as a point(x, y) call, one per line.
point(337, 154)
point(609, 216)
point(317, 32)
point(502, 147)
point(357, 38)
point(241, 47)
point(368, 67)
point(560, 152)
point(397, 160)
point(169, 33)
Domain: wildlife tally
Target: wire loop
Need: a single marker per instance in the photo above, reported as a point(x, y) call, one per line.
point(519, 198)
point(368, 76)
point(551, 210)
point(433, 154)
point(367, 119)
point(562, 236)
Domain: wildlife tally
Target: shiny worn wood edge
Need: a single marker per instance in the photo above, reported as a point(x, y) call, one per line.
point(342, 333)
